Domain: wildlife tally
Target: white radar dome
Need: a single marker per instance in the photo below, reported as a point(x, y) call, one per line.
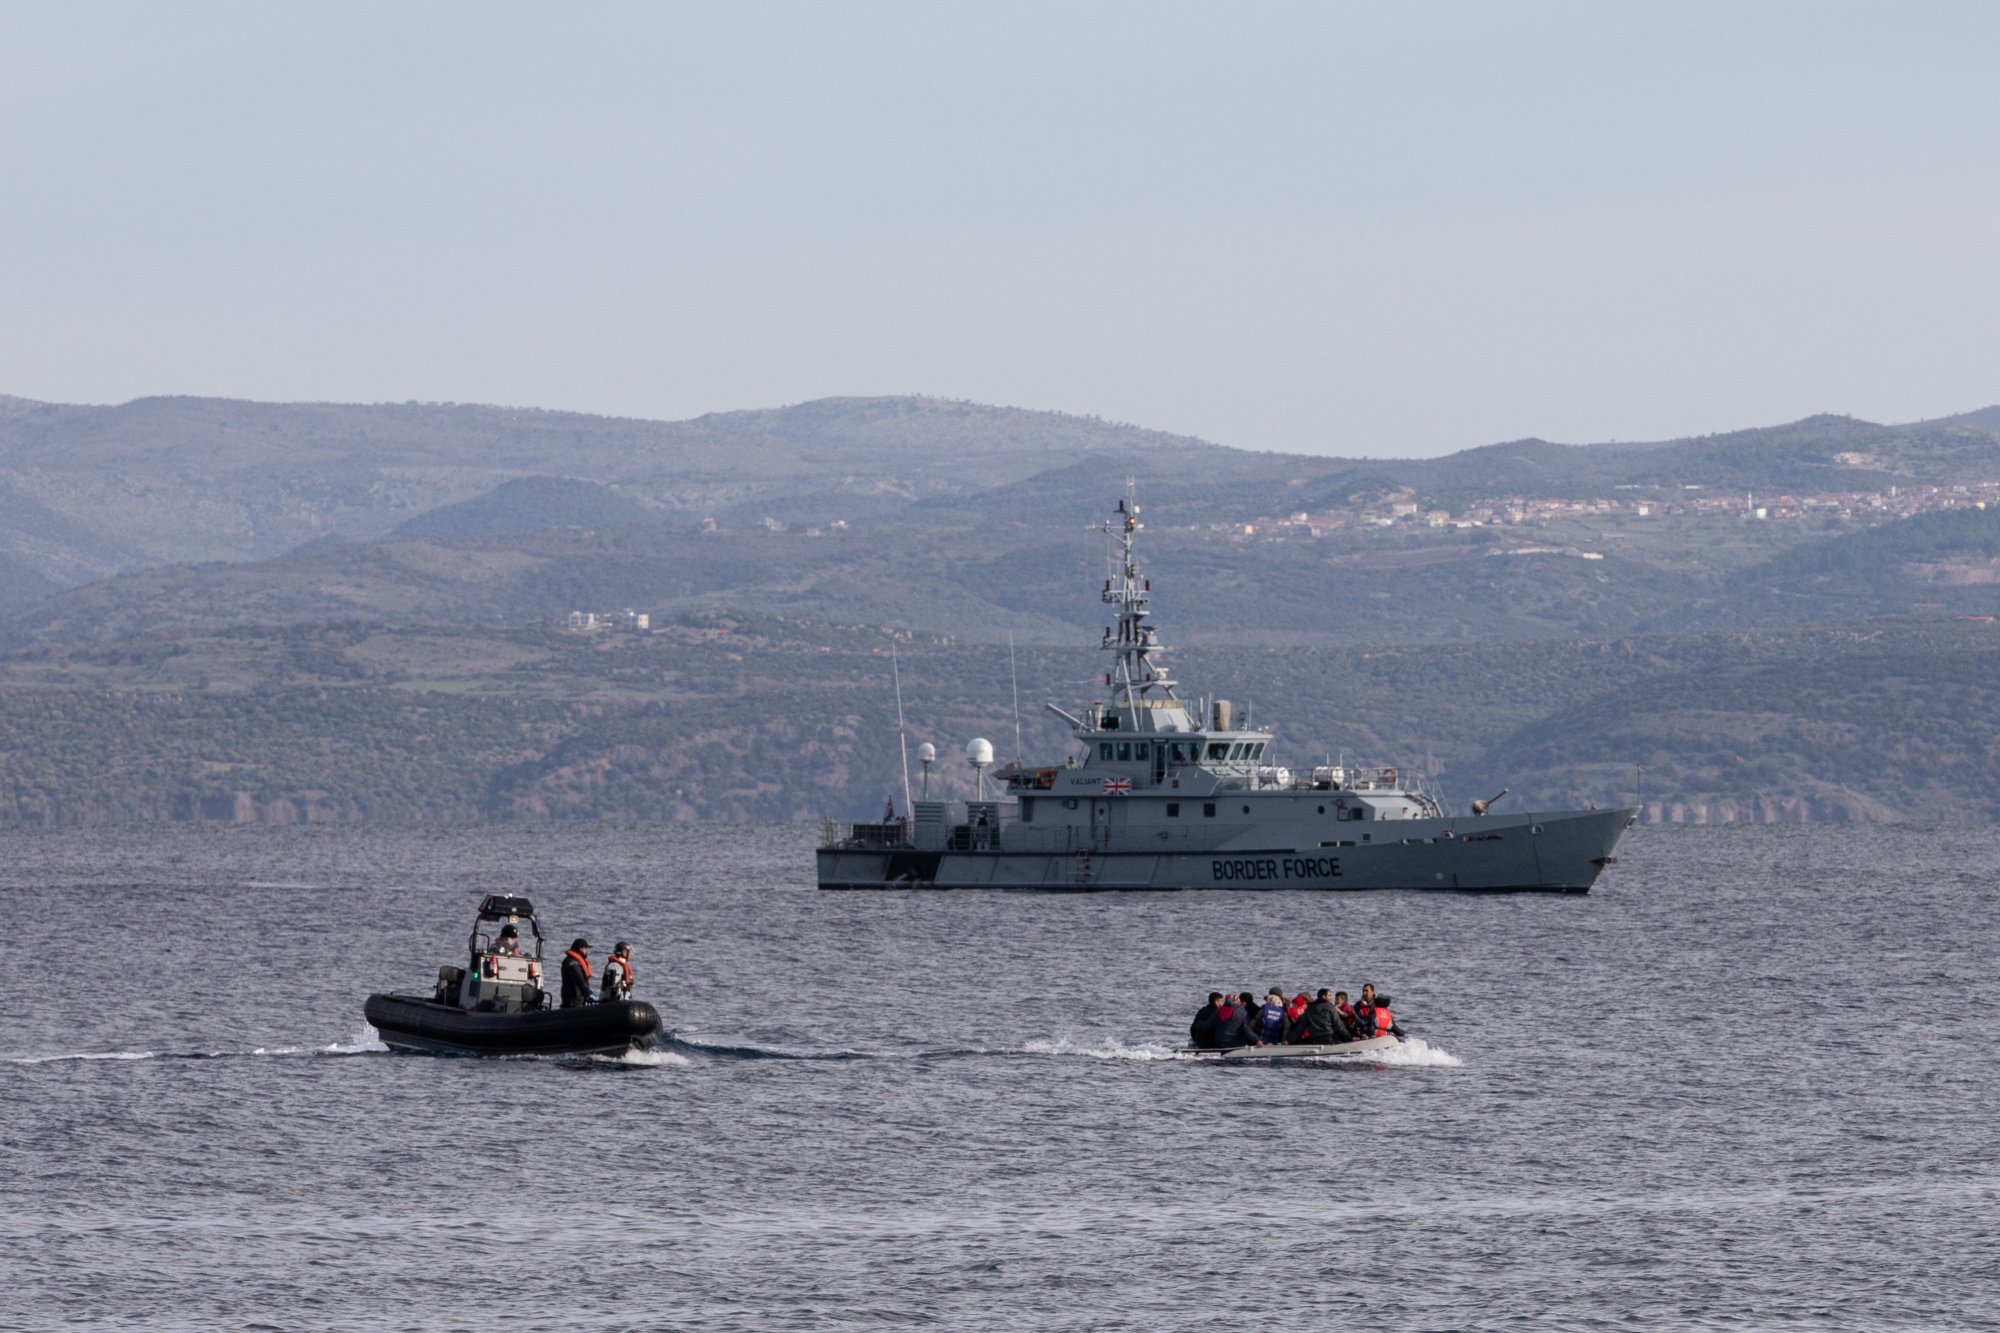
point(927, 753)
point(979, 752)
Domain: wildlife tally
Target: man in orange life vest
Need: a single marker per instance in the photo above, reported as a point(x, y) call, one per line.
point(618, 974)
point(576, 974)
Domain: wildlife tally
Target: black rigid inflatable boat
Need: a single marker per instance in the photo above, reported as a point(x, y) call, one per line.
point(496, 1004)
point(419, 1023)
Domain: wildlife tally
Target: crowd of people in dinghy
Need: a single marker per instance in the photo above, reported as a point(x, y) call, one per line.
point(1235, 1018)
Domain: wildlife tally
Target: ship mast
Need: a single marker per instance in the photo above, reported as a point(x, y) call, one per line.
point(1142, 694)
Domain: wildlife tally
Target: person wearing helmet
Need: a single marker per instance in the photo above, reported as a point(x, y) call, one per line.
point(509, 941)
point(618, 974)
point(576, 974)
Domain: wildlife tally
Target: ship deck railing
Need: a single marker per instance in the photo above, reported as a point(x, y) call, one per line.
point(884, 835)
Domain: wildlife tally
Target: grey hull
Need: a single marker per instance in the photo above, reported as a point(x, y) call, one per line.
point(1295, 1052)
point(1532, 853)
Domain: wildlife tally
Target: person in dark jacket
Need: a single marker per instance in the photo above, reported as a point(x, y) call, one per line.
point(1232, 1023)
point(1201, 1032)
point(1350, 1021)
point(1323, 1025)
point(1364, 1011)
point(576, 974)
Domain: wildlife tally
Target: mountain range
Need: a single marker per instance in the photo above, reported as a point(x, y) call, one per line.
point(275, 602)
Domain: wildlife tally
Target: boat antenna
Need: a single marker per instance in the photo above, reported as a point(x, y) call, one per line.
point(902, 736)
point(1015, 676)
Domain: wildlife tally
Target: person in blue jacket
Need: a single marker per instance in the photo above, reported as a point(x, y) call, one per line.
point(1269, 1025)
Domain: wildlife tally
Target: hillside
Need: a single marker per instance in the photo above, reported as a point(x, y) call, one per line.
point(165, 480)
point(725, 716)
point(985, 579)
point(529, 504)
point(87, 491)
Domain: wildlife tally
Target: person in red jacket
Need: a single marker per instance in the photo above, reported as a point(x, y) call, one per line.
point(1295, 1019)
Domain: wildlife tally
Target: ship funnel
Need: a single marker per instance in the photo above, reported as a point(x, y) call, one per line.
point(1220, 721)
point(1481, 807)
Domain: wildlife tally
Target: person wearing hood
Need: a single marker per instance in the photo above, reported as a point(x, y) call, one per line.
point(1201, 1032)
point(1269, 1024)
point(576, 974)
point(1232, 1023)
point(1295, 1018)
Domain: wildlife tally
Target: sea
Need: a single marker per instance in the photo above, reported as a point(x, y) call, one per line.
point(1751, 1081)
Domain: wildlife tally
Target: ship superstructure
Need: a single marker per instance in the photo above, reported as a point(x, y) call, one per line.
point(1163, 794)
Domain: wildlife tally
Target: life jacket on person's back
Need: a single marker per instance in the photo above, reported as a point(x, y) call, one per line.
point(581, 961)
point(1271, 1020)
point(630, 976)
point(1384, 1020)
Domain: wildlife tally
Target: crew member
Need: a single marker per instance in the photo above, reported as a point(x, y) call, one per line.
point(618, 974)
point(576, 974)
point(509, 941)
point(1201, 1032)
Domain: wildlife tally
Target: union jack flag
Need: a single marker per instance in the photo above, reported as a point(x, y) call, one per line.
point(1117, 786)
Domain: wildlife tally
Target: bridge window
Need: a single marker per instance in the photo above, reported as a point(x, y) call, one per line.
point(1125, 750)
point(1257, 750)
point(1179, 752)
point(1142, 750)
point(1104, 749)
point(1218, 751)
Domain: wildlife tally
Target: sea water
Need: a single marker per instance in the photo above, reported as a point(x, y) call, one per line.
point(1752, 1080)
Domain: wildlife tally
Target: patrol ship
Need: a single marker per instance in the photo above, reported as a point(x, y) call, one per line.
point(1163, 794)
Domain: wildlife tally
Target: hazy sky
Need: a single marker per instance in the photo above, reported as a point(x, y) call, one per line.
point(1339, 228)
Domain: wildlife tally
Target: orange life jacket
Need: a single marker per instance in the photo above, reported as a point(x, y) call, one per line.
point(624, 961)
point(1384, 1020)
point(582, 962)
